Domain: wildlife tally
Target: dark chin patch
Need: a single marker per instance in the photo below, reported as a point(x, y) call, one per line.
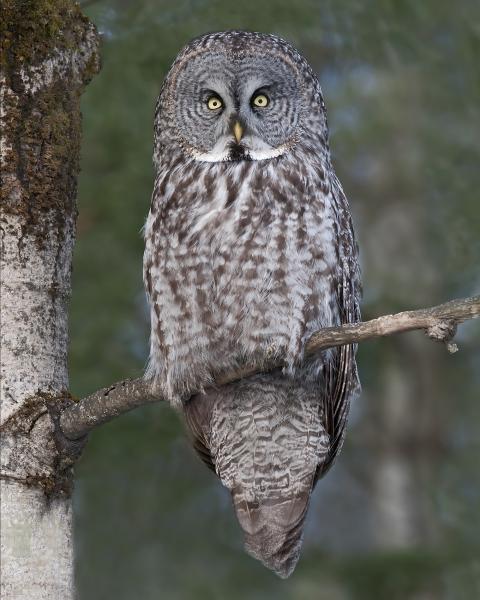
point(238, 152)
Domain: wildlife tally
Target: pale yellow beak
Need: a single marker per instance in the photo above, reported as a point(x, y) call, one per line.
point(237, 131)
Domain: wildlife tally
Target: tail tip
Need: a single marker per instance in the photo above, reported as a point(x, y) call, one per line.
point(277, 555)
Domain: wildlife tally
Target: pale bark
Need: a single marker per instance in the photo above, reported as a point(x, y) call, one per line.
point(36, 543)
point(37, 549)
point(49, 52)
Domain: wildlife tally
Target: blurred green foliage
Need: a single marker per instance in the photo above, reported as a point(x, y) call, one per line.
point(398, 517)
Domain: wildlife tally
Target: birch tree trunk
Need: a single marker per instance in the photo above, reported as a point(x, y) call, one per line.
point(49, 53)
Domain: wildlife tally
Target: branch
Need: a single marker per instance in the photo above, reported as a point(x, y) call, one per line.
point(439, 323)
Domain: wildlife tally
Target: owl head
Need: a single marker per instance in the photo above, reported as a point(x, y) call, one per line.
point(238, 95)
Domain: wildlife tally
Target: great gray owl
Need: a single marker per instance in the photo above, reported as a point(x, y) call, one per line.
point(249, 250)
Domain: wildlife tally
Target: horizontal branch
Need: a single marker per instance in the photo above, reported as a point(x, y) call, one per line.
point(439, 323)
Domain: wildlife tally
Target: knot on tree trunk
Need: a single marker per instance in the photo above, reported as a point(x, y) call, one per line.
point(35, 451)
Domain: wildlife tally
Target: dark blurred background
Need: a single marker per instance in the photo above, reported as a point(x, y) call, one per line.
point(399, 515)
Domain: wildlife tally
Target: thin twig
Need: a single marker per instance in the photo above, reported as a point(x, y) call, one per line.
point(439, 323)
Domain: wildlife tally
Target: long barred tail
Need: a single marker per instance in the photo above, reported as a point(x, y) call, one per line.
point(265, 439)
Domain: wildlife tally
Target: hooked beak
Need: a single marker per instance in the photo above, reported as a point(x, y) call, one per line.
point(237, 131)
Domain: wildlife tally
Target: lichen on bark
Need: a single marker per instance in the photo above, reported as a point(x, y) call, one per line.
point(49, 53)
point(32, 29)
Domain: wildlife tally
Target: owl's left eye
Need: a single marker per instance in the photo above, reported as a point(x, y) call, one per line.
point(260, 100)
point(214, 103)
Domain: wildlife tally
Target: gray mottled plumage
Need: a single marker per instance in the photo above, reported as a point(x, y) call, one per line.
point(250, 249)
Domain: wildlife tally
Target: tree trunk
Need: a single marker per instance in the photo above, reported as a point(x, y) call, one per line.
point(49, 53)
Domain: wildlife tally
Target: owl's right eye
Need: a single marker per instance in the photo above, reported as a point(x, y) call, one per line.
point(214, 103)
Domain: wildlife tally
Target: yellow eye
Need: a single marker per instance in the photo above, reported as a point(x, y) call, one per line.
point(260, 100)
point(214, 103)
